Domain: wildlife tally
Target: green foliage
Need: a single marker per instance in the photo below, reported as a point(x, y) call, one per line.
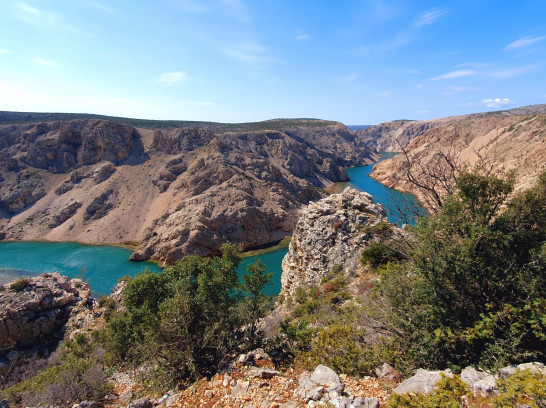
point(524, 388)
point(449, 393)
point(378, 254)
point(188, 320)
point(473, 291)
point(341, 348)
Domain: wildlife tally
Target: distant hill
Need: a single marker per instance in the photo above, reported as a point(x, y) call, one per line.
point(511, 139)
point(7, 117)
point(393, 135)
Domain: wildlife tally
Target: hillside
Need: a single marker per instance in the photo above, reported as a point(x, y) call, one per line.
point(506, 140)
point(175, 191)
point(394, 135)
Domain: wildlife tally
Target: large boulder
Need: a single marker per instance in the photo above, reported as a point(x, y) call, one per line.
point(423, 381)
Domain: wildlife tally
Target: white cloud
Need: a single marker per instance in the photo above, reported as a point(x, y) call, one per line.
point(44, 62)
point(237, 9)
point(455, 74)
point(45, 19)
point(4, 51)
point(497, 102)
point(251, 53)
point(101, 7)
point(173, 78)
point(430, 16)
point(512, 72)
point(350, 77)
point(463, 88)
point(541, 96)
point(302, 37)
point(524, 42)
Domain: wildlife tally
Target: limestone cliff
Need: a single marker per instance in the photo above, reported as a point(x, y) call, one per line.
point(394, 135)
point(330, 233)
point(174, 190)
point(500, 140)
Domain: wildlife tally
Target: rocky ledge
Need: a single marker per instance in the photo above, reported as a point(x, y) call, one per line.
point(330, 233)
point(36, 311)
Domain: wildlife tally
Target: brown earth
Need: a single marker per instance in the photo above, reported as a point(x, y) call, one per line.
point(175, 191)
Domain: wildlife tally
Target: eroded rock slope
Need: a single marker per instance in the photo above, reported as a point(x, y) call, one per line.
point(176, 190)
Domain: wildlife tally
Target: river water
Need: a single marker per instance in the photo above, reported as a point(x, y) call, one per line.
point(102, 266)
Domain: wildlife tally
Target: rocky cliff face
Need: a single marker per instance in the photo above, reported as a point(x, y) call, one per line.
point(332, 233)
point(500, 140)
point(174, 191)
point(36, 310)
point(395, 135)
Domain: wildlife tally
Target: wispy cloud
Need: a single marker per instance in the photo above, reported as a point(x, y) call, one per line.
point(236, 9)
point(455, 74)
point(524, 42)
point(173, 78)
point(497, 102)
point(302, 37)
point(5, 51)
point(512, 72)
point(101, 7)
point(430, 16)
point(44, 62)
point(350, 77)
point(250, 53)
point(463, 88)
point(44, 19)
point(422, 112)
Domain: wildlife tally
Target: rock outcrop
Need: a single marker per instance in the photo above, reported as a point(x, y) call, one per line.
point(175, 191)
point(330, 233)
point(36, 310)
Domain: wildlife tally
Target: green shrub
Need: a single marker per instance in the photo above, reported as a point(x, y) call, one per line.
point(341, 348)
point(524, 388)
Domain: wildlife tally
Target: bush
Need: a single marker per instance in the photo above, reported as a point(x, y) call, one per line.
point(188, 320)
point(449, 393)
point(524, 388)
point(473, 292)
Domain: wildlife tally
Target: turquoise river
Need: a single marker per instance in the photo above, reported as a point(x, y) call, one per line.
point(102, 266)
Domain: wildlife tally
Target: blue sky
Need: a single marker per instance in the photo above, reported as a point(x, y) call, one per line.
point(357, 62)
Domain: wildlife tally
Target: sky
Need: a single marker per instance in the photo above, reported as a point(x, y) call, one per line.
point(354, 61)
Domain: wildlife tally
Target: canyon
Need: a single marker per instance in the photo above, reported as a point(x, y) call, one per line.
point(172, 188)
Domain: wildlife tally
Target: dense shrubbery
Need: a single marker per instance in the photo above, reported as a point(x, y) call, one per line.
point(189, 320)
point(473, 291)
